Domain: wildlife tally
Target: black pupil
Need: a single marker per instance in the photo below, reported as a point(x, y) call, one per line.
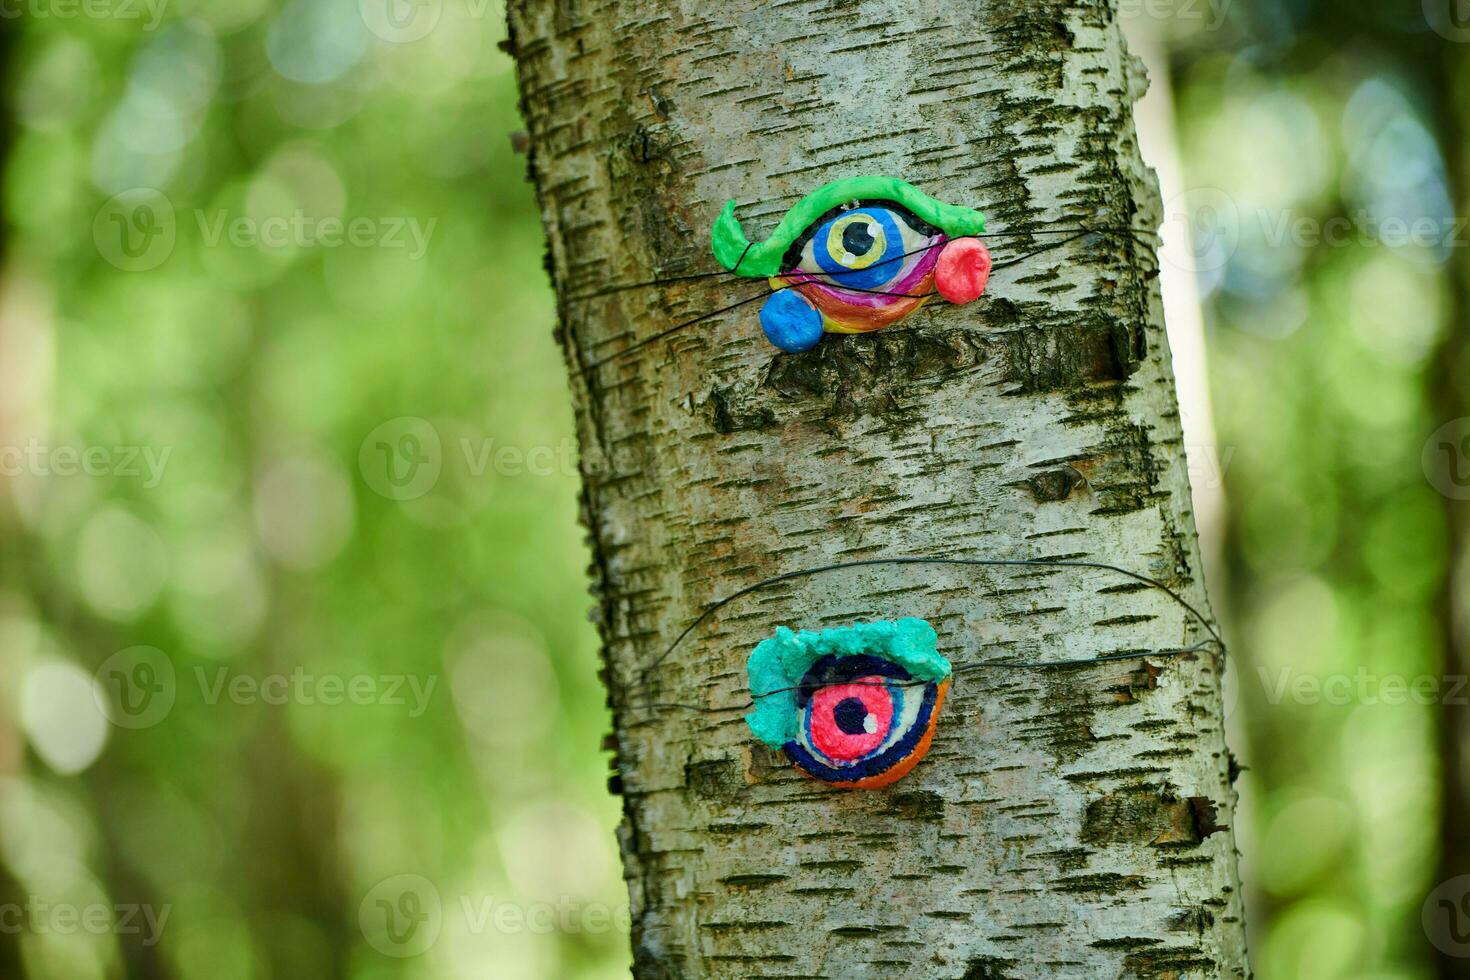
point(857, 238)
point(850, 714)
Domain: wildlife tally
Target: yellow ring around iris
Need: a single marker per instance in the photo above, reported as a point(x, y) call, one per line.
point(846, 259)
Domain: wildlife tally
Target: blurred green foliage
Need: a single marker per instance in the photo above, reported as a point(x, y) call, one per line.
point(1317, 134)
point(233, 385)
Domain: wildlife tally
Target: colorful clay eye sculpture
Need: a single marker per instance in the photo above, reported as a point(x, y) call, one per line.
point(855, 707)
point(856, 256)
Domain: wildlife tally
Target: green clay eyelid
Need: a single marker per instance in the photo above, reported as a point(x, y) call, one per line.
point(761, 261)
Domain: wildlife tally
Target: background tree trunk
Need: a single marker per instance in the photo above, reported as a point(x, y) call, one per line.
point(1441, 71)
point(24, 369)
point(1066, 824)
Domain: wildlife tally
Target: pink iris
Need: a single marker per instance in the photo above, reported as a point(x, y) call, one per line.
point(849, 721)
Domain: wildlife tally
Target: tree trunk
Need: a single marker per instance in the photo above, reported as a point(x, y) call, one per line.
point(1450, 368)
point(1066, 823)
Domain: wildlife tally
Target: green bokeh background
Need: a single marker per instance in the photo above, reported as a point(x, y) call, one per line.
point(363, 474)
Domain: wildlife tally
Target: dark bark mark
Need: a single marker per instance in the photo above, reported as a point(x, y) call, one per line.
point(1166, 964)
point(988, 968)
point(652, 963)
point(1064, 722)
point(1206, 816)
point(1099, 884)
point(751, 880)
point(1122, 471)
point(1092, 350)
point(871, 375)
point(1054, 485)
point(1150, 815)
point(847, 377)
point(730, 413)
point(1125, 942)
point(923, 805)
point(714, 779)
point(1196, 919)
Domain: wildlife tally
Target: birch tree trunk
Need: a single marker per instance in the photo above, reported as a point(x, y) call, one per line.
point(1066, 823)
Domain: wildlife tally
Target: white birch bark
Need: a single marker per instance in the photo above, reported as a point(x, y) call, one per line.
point(1066, 823)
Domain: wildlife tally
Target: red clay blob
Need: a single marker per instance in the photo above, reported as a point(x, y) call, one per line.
point(963, 270)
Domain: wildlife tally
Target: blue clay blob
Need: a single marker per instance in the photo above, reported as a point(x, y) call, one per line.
point(790, 322)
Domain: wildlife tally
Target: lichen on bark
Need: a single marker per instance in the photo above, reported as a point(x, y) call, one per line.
point(1065, 824)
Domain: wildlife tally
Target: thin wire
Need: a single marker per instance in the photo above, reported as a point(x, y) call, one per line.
point(720, 273)
point(960, 669)
point(768, 291)
point(1045, 248)
point(1200, 647)
point(735, 271)
point(639, 345)
point(952, 562)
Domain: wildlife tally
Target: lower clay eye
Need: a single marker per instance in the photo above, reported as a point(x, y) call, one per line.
point(866, 721)
point(856, 707)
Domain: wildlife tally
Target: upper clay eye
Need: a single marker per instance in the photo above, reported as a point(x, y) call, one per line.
point(855, 256)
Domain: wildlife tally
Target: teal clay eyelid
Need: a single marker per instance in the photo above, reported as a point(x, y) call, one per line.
point(761, 261)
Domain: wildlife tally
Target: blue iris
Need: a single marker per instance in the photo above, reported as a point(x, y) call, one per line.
point(859, 240)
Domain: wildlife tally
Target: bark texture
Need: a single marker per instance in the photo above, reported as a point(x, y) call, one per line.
point(1066, 823)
